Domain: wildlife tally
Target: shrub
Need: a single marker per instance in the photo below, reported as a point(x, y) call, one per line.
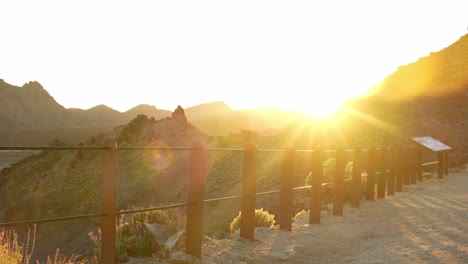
point(298, 215)
point(10, 251)
point(262, 218)
point(132, 238)
point(62, 259)
point(427, 175)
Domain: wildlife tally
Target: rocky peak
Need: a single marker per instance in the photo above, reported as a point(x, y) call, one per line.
point(179, 115)
point(33, 84)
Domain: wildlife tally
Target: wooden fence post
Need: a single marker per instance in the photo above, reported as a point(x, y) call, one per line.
point(338, 189)
point(446, 163)
point(406, 166)
point(286, 192)
point(316, 188)
point(391, 154)
point(419, 161)
point(249, 176)
point(399, 157)
point(109, 169)
point(371, 165)
point(383, 173)
point(413, 166)
point(196, 189)
point(356, 178)
point(441, 164)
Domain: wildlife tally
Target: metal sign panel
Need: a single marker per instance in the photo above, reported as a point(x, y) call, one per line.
point(432, 144)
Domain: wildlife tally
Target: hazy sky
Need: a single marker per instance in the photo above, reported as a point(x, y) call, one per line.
point(248, 54)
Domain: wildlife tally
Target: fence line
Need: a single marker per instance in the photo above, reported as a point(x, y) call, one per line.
point(389, 168)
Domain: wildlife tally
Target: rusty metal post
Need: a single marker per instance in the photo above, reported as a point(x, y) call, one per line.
point(441, 165)
point(109, 170)
point(356, 178)
point(286, 192)
point(446, 163)
point(391, 154)
point(196, 189)
point(399, 169)
point(249, 176)
point(338, 190)
point(316, 188)
point(371, 165)
point(413, 166)
point(383, 173)
point(419, 161)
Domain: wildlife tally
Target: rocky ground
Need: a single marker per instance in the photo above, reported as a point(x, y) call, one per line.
point(427, 223)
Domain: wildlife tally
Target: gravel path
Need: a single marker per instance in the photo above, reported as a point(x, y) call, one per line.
point(427, 223)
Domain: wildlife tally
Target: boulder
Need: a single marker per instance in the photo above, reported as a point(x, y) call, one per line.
point(166, 238)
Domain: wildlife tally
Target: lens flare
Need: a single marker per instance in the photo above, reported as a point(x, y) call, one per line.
point(158, 156)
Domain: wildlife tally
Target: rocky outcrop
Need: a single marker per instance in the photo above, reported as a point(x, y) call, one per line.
point(179, 116)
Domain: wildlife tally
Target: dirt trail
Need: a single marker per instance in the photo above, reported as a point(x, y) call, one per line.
point(427, 223)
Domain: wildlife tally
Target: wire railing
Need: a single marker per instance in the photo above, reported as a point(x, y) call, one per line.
point(387, 168)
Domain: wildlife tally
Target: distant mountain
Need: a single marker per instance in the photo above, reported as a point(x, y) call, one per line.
point(30, 107)
point(100, 115)
point(208, 110)
point(148, 110)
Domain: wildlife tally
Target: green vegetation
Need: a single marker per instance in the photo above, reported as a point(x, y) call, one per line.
point(262, 218)
point(132, 238)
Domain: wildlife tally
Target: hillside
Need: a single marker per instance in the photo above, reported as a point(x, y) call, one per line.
point(426, 97)
point(440, 73)
point(52, 183)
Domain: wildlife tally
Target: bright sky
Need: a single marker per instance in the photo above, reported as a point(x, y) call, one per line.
point(249, 54)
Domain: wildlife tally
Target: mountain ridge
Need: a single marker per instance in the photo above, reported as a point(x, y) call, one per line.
point(440, 73)
point(30, 107)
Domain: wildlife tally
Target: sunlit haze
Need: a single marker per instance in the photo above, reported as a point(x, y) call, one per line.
point(300, 55)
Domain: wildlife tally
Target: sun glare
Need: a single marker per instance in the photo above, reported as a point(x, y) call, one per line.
point(323, 107)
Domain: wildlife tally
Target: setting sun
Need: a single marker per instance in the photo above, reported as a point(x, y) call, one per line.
point(323, 107)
